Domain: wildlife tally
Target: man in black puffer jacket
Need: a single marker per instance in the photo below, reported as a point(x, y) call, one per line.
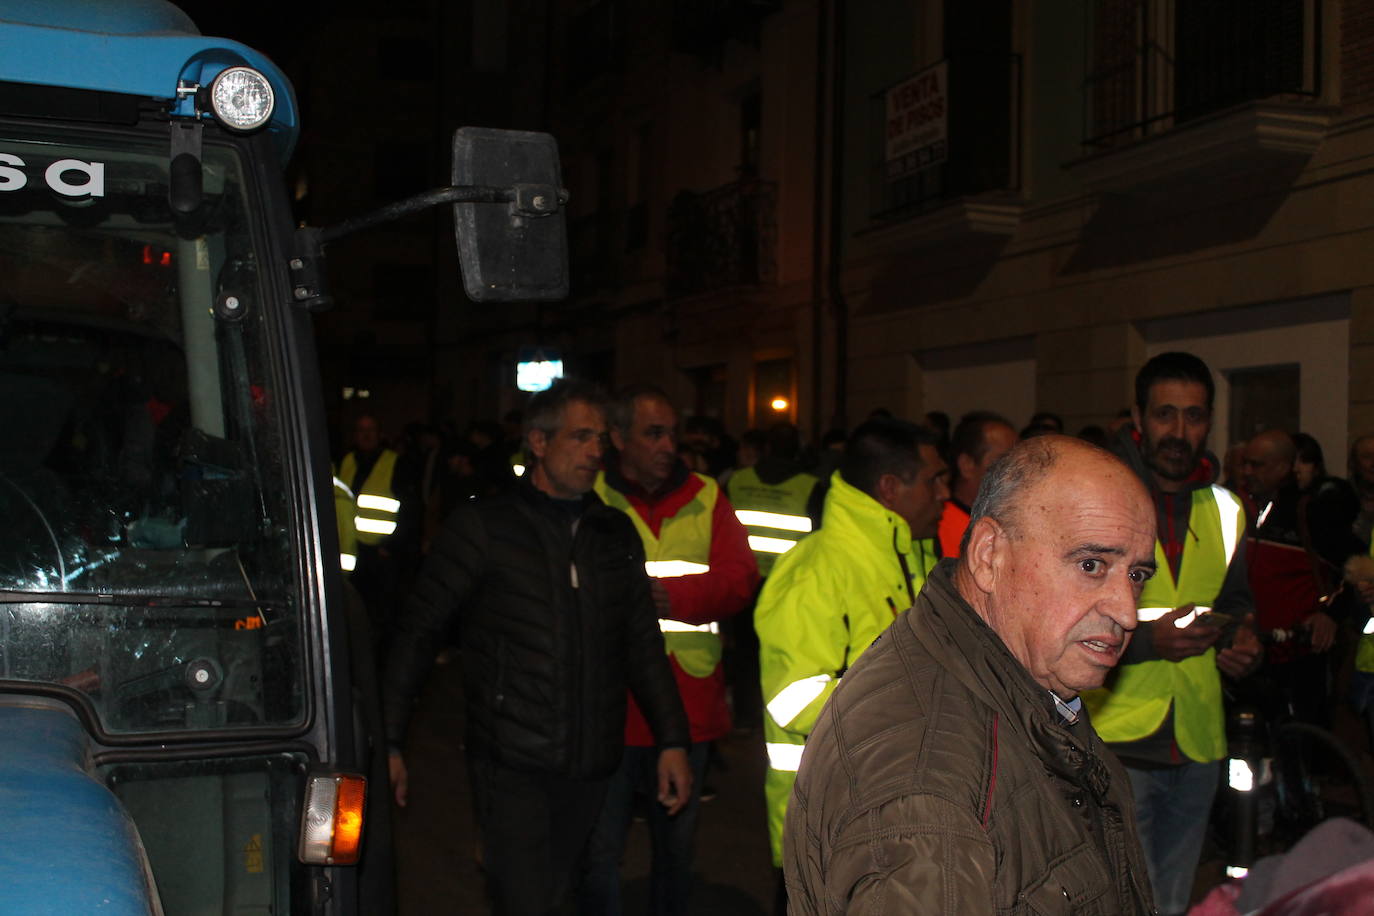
point(555, 621)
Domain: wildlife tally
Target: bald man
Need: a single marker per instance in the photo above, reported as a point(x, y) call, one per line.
point(1295, 553)
point(954, 770)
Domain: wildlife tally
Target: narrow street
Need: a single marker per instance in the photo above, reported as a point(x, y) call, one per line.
point(436, 840)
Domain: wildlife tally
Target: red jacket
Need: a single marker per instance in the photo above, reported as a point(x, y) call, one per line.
point(723, 592)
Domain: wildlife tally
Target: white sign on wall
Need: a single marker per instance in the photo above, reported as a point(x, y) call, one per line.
point(916, 127)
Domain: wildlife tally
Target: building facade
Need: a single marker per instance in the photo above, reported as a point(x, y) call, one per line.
point(983, 203)
point(810, 209)
point(1128, 177)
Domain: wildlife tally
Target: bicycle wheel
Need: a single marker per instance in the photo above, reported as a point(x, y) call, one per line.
point(1316, 777)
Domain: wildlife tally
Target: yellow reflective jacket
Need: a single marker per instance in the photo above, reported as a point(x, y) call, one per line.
point(826, 601)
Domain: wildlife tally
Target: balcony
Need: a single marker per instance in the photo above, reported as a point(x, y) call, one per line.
point(957, 170)
point(722, 238)
point(1220, 86)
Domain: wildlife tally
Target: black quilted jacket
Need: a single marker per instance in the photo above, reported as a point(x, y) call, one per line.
point(555, 621)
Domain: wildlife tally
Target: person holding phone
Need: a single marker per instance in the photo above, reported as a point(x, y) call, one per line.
point(1162, 710)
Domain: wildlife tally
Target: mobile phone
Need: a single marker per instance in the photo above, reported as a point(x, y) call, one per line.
point(1213, 619)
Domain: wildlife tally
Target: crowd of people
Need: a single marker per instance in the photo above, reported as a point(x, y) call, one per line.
point(987, 661)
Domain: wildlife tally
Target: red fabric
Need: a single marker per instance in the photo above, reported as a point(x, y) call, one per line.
point(1283, 584)
point(953, 521)
point(654, 509)
point(702, 697)
point(157, 409)
point(723, 592)
point(1346, 893)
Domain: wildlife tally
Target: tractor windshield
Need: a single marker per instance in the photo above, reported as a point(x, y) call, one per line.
point(145, 549)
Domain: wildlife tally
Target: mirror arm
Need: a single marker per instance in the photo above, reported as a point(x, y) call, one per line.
point(527, 200)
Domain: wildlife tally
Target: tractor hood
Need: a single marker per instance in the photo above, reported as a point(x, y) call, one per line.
point(66, 844)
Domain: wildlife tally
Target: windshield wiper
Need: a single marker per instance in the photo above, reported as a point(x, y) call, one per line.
point(128, 600)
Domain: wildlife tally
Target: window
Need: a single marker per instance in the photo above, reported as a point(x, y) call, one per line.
point(1153, 64)
point(1263, 397)
point(146, 550)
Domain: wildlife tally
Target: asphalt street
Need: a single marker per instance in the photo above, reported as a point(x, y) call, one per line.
point(436, 840)
point(437, 847)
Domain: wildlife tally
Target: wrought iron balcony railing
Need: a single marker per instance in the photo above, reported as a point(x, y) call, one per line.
point(1156, 64)
point(722, 238)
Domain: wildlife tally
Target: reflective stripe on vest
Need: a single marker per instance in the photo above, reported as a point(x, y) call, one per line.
point(784, 757)
point(377, 506)
point(666, 625)
point(795, 697)
point(1141, 695)
point(1154, 613)
point(760, 544)
point(382, 517)
point(682, 547)
point(773, 520)
point(671, 569)
point(343, 525)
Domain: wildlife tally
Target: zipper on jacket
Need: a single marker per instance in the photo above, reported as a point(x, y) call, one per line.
point(906, 570)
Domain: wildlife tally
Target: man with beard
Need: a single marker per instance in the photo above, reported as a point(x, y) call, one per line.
point(1162, 710)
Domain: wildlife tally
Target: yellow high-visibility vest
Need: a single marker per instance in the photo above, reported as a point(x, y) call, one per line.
point(1138, 699)
point(774, 514)
point(376, 509)
point(682, 547)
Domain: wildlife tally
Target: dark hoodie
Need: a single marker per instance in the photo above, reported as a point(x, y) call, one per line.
point(1172, 511)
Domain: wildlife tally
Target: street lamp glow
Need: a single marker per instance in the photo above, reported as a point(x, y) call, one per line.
point(779, 404)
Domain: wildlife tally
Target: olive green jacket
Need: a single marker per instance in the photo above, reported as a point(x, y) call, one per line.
point(941, 779)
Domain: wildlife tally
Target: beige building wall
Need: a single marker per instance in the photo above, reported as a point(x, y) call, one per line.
point(1088, 274)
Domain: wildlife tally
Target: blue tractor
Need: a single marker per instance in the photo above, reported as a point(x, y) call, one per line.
point(185, 724)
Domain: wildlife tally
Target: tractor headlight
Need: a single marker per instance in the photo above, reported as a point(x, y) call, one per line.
point(242, 98)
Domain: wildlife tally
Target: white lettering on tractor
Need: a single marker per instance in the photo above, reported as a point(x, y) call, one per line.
point(94, 185)
point(90, 176)
point(11, 179)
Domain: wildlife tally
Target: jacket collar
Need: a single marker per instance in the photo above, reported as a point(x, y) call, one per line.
point(976, 656)
point(862, 517)
point(542, 501)
point(617, 480)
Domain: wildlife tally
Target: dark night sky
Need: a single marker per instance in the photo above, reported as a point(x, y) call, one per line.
point(271, 27)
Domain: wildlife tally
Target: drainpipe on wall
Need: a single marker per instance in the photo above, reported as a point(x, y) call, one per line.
point(818, 266)
point(836, 266)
